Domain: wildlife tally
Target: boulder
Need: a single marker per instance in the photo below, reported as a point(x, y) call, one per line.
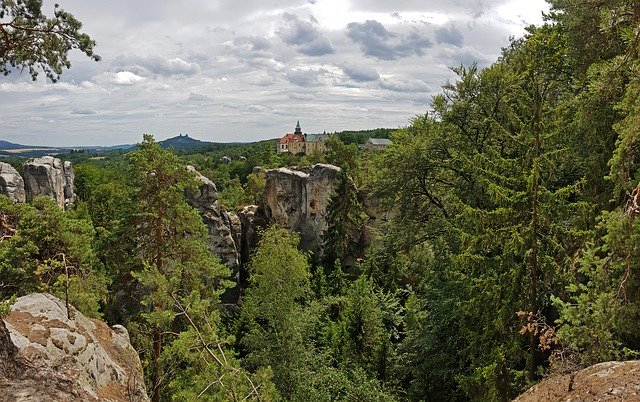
point(610, 381)
point(48, 176)
point(298, 201)
point(11, 183)
point(63, 358)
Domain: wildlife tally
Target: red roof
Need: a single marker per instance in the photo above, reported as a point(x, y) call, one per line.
point(291, 137)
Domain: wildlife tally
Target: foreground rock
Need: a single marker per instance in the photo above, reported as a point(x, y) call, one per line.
point(56, 358)
point(611, 381)
point(50, 177)
point(298, 201)
point(11, 183)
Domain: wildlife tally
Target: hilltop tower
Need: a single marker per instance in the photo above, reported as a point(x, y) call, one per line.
point(298, 130)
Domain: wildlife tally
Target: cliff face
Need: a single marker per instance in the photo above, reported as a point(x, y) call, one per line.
point(11, 183)
point(298, 201)
point(50, 177)
point(53, 357)
point(222, 226)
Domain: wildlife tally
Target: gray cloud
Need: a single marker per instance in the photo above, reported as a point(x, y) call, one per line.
point(196, 97)
point(376, 41)
point(407, 85)
point(83, 111)
point(251, 47)
point(258, 108)
point(304, 36)
point(306, 77)
point(157, 65)
point(299, 96)
point(360, 73)
point(450, 36)
point(464, 56)
point(474, 8)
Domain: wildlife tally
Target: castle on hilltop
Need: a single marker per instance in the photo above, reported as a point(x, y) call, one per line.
point(299, 143)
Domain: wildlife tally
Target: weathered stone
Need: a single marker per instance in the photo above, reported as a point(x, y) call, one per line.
point(610, 381)
point(48, 176)
point(68, 359)
point(11, 183)
point(298, 201)
point(249, 238)
point(222, 227)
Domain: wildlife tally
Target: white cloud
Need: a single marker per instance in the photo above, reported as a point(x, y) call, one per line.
point(119, 78)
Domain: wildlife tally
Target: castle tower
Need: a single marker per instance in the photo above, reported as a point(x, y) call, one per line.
point(298, 129)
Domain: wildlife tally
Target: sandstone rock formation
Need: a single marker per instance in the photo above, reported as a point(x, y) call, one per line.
point(66, 359)
point(223, 227)
point(249, 237)
point(11, 183)
point(611, 381)
point(49, 176)
point(298, 201)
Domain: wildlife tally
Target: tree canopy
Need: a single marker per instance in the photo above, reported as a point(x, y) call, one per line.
point(31, 40)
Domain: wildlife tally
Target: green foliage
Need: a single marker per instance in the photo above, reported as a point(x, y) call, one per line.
point(177, 269)
point(256, 182)
point(5, 306)
point(342, 155)
point(273, 312)
point(485, 214)
point(45, 241)
point(29, 39)
point(598, 320)
point(345, 218)
point(360, 336)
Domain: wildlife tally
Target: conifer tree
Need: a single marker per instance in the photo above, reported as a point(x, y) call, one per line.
point(177, 269)
point(272, 310)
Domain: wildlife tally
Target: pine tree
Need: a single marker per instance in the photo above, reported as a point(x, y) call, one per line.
point(177, 269)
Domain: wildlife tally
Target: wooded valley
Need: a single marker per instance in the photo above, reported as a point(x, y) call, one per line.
point(506, 247)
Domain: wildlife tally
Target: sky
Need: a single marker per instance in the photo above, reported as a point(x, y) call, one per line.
point(247, 70)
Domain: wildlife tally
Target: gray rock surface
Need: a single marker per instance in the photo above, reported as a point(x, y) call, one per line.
point(298, 201)
point(11, 183)
point(248, 217)
point(67, 359)
point(223, 227)
point(50, 177)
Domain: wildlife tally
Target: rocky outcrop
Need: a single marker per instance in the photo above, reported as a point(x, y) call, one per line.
point(50, 177)
point(611, 381)
point(66, 359)
point(298, 201)
point(249, 223)
point(11, 183)
point(223, 228)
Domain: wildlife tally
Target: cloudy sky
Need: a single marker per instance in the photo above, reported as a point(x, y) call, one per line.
point(247, 70)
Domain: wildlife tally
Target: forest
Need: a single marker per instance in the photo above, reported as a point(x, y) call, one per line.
point(510, 252)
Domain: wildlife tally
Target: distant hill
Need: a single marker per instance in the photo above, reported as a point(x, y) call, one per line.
point(6, 145)
point(182, 142)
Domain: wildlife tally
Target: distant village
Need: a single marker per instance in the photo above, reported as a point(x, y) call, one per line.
point(303, 143)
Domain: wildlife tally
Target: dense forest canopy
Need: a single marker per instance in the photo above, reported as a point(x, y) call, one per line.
point(510, 251)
